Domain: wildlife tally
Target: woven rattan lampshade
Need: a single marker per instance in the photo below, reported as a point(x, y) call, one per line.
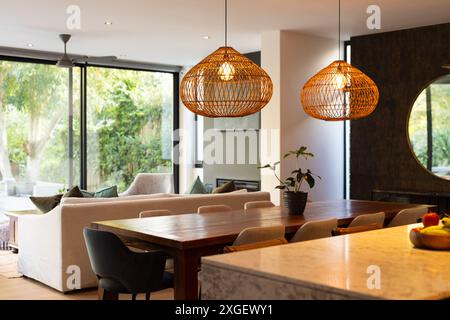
point(339, 92)
point(226, 84)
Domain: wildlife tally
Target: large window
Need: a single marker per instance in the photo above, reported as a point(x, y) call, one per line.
point(128, 126)
point(34, 128)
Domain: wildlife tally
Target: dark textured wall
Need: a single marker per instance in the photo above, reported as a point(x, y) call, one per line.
point(402, 64)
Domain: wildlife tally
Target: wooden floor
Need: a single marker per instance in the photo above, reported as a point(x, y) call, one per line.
point(27, 289)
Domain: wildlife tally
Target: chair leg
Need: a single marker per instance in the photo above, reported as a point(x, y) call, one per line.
point(147, 296)
point(133, 296)
point(106, 295)
point(100, 293)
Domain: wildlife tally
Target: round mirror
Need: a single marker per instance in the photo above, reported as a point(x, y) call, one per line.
point(429, 128)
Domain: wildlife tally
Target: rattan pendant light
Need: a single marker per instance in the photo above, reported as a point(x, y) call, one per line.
point(340, 91)
point(226, 84)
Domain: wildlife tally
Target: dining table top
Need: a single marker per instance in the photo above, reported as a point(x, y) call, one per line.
point(186, 231)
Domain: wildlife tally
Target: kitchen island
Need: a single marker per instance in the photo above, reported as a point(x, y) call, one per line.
point(381, 264)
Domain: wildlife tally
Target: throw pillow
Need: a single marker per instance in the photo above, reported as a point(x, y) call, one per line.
point(225, 188)
point(197, 187)
point(75, 192)
point(46, 204)
point(109, 192)
point(87, 194)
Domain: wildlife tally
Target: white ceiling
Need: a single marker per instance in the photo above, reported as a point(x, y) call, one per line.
point(171, 31)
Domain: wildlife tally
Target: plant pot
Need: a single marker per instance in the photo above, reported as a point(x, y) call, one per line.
point(295, 201)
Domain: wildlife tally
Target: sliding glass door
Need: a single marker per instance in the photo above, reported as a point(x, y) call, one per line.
point(34, 128)
point(129, 125)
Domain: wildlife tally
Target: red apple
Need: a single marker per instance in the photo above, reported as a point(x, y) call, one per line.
point(430, 219)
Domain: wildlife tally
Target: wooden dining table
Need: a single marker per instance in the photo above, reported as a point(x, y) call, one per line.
point(188, 237)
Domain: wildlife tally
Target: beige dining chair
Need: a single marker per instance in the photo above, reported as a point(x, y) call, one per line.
point(155, 213)
point(408, 216)
point(258, 204)
point(255, 245)
point(366, 219)
point(315, 230)
point(345, 231)
point(258, 234)
point(214, 208)
point(144, 247)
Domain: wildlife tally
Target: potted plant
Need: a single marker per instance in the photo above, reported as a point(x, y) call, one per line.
point(294, 198)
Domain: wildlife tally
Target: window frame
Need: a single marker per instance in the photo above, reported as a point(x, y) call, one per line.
point(346, 137)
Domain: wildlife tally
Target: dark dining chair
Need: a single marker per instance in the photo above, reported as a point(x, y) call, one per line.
point(120, 270)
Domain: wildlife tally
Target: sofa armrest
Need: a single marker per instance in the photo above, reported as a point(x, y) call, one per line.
point(40, 253)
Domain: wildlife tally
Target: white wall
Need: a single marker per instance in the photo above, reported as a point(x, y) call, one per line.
point(271, 115)
point(238, 160)
point(291, 59)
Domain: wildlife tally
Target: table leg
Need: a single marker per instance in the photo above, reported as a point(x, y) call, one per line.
point(186, 265)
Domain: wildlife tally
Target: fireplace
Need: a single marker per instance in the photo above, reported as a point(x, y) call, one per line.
point(250, 185)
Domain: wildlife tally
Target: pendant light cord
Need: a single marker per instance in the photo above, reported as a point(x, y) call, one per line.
point(226, 23)
point(339, 31)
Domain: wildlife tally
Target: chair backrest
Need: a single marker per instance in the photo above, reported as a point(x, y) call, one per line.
point(111, 259)
point(155, 213)
point(256, 245)
point(104, 250)
point(350, 230)
point(149, 183)
point(315, 230)
point(408, 216)
point(258, 204)
point(366, 219)
point(258, 234)
point(214, 208)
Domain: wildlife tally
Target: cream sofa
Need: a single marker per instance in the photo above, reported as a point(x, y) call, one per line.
point(51, 245)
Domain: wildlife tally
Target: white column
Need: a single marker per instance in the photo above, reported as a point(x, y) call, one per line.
point(291, 58)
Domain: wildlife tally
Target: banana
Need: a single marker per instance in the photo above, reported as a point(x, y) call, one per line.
point(446, 222)
point(436, 230)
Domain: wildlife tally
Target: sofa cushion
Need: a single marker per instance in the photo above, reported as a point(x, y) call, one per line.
point(75, 192)
point(109, 192)
point(225, 188)
point(46, 204)
point(87, 194)
point(197, 187)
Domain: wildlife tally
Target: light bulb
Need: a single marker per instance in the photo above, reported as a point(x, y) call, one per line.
point(340, 81)
point(226, 71)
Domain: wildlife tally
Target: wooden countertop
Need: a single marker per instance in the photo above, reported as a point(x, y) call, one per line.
point(340, 264)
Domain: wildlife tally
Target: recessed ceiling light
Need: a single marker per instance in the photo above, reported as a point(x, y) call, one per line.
point(206, 37)
point(108, 23)
point(30, 45)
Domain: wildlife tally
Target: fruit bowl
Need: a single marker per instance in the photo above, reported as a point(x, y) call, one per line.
point(429, 241)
